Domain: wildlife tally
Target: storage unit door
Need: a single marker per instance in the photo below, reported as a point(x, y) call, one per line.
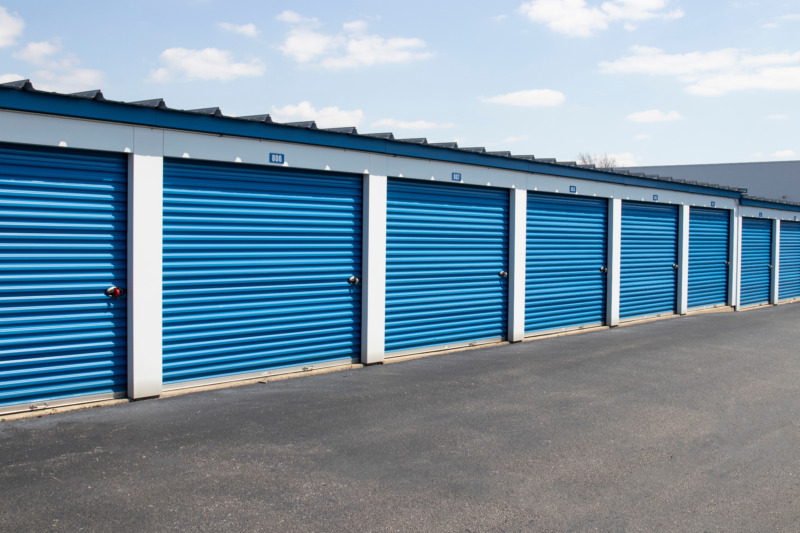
point(648, 270)
point(756, 260)
point(257, 263)
point(565, 280)
point(446, 248)
point(709, 238)
point(789, 279)
point(63, 234)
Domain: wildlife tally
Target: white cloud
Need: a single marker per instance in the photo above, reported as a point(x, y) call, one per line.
point(291, 17)
point(643, 137)
point(570, 17)
point(774, 79)
point(640, 10)
point(6, 78)
point(372, 49)
point(58, 70)
point(783, 154)
point(654, 115)
point(357, 26)
point(716, 72)
point(248, 30)
point(777, 117)
point(304, 45)
point(763, 60)
point(11, 26)
point(530, 98)
point(791, 17)
point(68, 81)
point(625, 159)
point(575, 18)
point(647, 60)
point(410, 125)
point(44, 53)
point(327, 117)
point(206, 64)
point(350, 48)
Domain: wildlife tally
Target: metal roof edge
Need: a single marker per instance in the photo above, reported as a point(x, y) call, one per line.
point(768, 204)
point(121, 112)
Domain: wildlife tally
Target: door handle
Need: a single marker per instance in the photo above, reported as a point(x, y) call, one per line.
point(353, 280)
point(603, 270)
point(114, 292)
point(675, 266)
point(503, 274)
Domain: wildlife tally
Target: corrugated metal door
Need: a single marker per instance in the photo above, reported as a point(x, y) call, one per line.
point(565, 279)
point(648, 269)
point(789, 279)
point(756, 260)
point(709, 238)
point(256, 268)
point(63, 234)
point(445, 250)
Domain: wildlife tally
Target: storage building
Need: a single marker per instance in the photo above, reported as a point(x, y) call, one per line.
point(147, 249)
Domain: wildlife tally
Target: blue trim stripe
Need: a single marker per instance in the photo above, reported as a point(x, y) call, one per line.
point(768, 205)
point(70, 106)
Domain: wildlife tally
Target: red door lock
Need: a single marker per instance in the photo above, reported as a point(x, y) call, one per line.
point(114, 292)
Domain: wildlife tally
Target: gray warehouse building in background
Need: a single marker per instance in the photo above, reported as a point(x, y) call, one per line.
point(775, 179)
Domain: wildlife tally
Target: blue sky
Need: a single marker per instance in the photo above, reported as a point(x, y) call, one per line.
point(649, 82)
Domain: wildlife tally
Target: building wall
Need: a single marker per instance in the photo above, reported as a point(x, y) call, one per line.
point(151, 149)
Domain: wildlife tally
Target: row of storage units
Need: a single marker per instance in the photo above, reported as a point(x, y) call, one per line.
point(263, 267)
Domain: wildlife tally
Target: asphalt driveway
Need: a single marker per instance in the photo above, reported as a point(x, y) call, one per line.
point(688, 424)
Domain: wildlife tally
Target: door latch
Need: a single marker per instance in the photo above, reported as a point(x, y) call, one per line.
point(503, 274)
point(114, 292)
point(353, 280)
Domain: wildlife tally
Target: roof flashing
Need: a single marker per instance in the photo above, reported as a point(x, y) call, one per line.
point(263, 127)
point(155, 103)
point(266, 119)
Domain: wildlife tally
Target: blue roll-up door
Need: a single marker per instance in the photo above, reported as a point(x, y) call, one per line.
point(648, 277)
point(445, 249)
point(63, 234)
point(567, 243)
point(256, 268)
point(756, 260)
point(789, 279)
point(709, 238)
